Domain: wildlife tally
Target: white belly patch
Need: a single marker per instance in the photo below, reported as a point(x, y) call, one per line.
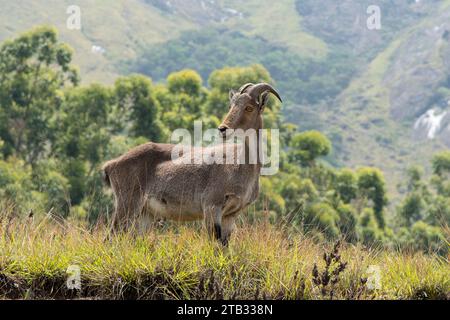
point(159, 208)
point(156, 206)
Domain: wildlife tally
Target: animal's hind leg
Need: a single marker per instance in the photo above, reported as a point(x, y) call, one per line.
point(118, 220)
point(128, 209)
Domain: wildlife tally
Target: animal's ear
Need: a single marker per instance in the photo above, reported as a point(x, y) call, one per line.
point(231, 94)
point(263, 100)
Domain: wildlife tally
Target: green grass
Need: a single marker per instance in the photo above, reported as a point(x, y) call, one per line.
point(281, 25)
point(262, 261)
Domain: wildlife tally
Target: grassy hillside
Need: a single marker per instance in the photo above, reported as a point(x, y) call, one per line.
point(123, 28)
point(262, 261)
point(120, 27)
point(280, 25)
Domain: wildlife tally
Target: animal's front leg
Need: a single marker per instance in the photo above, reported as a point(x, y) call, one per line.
point(228, 226)
point(230, 211)
point(213, 222)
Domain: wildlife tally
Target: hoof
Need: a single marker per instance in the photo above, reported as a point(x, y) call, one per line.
point(218, 231)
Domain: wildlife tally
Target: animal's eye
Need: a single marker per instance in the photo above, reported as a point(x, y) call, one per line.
point(249, 108)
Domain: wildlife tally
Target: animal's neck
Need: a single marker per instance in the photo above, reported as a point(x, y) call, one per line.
point(248, 146)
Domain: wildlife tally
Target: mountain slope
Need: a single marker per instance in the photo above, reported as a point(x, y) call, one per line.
point(380, 108)
point(119, 27)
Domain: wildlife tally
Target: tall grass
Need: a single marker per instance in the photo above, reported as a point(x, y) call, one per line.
point(180, 262)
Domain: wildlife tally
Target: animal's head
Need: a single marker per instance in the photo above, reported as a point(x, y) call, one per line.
point(247, 106)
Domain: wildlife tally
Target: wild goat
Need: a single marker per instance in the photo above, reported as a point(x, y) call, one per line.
point(147, 183)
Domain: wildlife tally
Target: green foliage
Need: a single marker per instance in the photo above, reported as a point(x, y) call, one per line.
point(414, 178)
point(425, 237)
point(346, 185)
point(422, 215)
point(137, 109)
point(323, 217)
point(347, 222)
point(185, 81)
point(441, 163)
point(33, 69)
point(372, 185)
point(439, 212)
point(412, 208)
point(83, 123)
point(49, 180)
point(306, 147)
point(16, 183)
point(368, 230)
point(303, 79)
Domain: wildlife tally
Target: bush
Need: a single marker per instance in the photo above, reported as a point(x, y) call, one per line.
point(368, 230)
point(324, 218)
point(16, 183)
point(427, 238)
point(347, 222)
point(49, 181)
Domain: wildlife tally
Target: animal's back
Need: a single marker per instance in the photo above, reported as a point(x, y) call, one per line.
point(137, 162)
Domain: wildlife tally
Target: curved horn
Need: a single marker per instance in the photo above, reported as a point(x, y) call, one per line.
point(245, 87)
point(260, 88)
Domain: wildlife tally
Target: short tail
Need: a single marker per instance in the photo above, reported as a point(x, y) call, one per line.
point(105, 175)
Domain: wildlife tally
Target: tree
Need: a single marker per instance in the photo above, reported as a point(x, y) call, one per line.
point(414, 178)
point(33, 69)
point(84, 135)
point(185, 81)
point(49, 181)
point(83, 123)
point(439, 212)
point(372, 185)
point(441, 170)
point(137, 110)
point(296, 191)
point(347, 222)
point(307, 146)
point(441, 163)
point(368, 230)
point(346, 185)
point(16, 183)
point(412, 208)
